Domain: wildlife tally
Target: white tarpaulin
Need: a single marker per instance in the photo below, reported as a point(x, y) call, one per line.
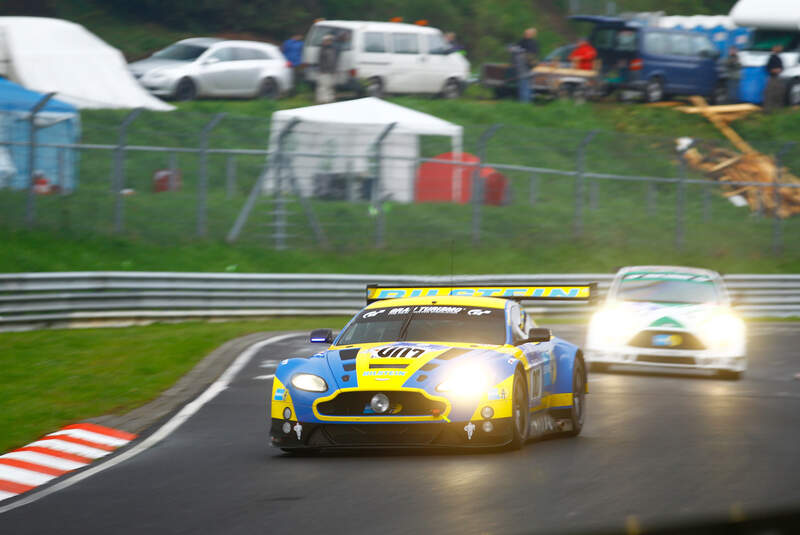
point(345, 133)
point(53, 55)
point(767, 14)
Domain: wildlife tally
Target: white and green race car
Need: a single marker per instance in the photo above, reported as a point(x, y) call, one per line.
point(668, 316)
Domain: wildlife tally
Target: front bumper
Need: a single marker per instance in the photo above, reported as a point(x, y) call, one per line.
point(389, 435)
point(668, 358)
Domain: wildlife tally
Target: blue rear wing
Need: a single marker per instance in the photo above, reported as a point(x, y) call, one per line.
point(539, 292)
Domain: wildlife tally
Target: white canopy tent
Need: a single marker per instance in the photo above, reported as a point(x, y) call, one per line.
point(767, 14)
point(344, 134)
point(53, 55)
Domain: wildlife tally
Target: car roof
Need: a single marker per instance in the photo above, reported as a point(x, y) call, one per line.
point(379, 26)
point(671, 269)
point(449, 300)
point(200, 41)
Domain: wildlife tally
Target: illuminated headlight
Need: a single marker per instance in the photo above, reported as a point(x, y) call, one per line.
point(722, 330)
point(467, 382)
point(612, 325)
point(309, 382)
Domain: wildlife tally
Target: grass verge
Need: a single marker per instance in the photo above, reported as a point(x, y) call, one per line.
point(55, 377)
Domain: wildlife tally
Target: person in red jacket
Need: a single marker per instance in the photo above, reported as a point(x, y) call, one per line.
point(583, 56)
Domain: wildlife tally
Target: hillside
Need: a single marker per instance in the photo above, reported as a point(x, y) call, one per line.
point(483, 26)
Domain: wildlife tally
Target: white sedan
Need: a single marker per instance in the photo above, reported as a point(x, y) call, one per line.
point(668, 316)
point(208, 67)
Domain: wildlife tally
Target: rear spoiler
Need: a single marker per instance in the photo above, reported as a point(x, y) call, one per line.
point(539, 292)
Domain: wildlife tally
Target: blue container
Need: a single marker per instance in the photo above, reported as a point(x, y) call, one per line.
point(752, 84)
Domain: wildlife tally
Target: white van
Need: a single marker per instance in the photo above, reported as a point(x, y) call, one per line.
point(389, 57)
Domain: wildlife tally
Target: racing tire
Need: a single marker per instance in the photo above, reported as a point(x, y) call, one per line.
point(654, 90)
point(185, 90)
point(520, 413)
point(268, 89)
point(578, 411)
point(452, 89)
point(301, 452)
point(793, 92)
point(729, 375)
point(374, 87)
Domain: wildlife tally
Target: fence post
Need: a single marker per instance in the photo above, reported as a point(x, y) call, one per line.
point(173, 171)
point(651, 197)
point(377, 187)
point(680, 195)
point(30, 207)
point(707, 202)
point(777, 224)
point(119, 170)
point(534, 183)
point(277, 163)
point(230, 176)
point(202, 186)
point(477, 183)
point(581, 162)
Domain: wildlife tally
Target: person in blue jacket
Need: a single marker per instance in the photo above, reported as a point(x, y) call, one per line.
point(292, 49)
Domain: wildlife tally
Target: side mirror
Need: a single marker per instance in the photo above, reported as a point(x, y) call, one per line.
point(321, 336)
point(539, 334)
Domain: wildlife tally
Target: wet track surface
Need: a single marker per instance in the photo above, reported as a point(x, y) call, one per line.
point(660, 447)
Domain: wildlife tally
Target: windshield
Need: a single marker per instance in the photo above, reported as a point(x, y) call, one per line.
point(614, 39)
point(766, 39)
point(341, 36)
point(181, 52)
point(427, 324)
point(667, 288)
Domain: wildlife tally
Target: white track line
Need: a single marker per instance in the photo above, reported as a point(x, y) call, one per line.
point(164, 431)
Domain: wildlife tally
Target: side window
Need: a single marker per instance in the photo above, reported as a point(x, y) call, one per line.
point(223, 54)
point(375, 42)
point(702, 47)
point(517, 318)
point(626, 41)
point(405, 43)
point(679, 44)
point(436, 44)
point(603, 38)
point(655, 43)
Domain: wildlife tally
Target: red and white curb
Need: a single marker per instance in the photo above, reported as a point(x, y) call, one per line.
point(56, 454)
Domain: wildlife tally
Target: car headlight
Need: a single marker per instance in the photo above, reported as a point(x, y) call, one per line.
point(612, 325)
point(722, 329)
point(466, 382)
point(309, 382)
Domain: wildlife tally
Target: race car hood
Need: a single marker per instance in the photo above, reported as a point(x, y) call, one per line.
point(667, 315)
point(390, 366)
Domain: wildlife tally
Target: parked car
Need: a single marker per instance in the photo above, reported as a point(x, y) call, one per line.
point(656, 62)
point(774, 24)
point(389, 57)
point(208, 67)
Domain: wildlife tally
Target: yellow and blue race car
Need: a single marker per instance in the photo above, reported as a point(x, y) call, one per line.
point(434, 366)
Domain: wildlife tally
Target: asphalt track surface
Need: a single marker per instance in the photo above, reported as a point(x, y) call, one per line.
point(657, 448)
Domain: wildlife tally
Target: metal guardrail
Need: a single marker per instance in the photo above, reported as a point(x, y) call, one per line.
point(68, 299)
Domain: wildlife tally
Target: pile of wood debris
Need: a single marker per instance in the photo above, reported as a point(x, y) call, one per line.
point(749, 167)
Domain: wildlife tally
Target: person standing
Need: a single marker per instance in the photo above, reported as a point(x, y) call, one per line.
point(733, 72)
point(530, 45)
point(773, 91)
point(524, 55)
point(451, 45)
point(583, 56)
point(326, 70)
point(292, 50)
